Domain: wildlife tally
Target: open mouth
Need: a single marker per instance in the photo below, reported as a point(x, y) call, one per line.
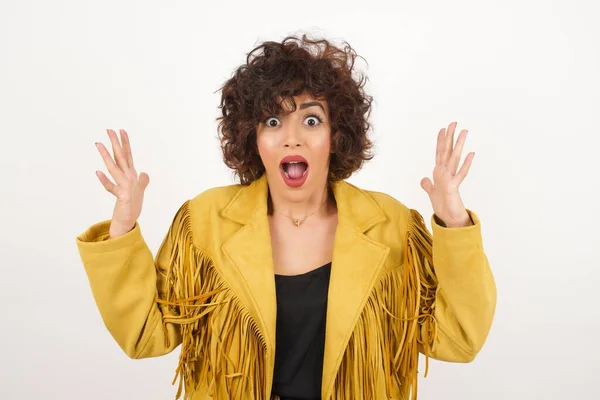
point(294, 170)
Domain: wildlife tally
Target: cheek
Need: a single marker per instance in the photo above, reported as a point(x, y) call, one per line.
point(322, 145)
point(266, 148)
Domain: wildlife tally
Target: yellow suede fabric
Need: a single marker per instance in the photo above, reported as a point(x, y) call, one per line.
point(396, 290)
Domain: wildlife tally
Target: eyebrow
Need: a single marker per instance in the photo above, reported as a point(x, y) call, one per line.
point(311, 104)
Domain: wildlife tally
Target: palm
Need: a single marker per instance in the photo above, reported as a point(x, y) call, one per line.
point(128, 206)
point(444, 190)
point(129, 187)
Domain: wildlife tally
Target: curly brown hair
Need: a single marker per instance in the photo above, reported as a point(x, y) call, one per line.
point(282, 70)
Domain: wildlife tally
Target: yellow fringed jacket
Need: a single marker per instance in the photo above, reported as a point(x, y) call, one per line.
point(395, 291)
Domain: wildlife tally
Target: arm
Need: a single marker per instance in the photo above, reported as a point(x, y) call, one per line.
point(455, 267)
point(126, 282)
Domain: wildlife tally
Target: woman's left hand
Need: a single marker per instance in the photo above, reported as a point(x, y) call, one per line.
point(443, 191)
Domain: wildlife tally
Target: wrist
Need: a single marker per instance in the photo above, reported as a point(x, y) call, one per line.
point(457, 222)
point(117, 230)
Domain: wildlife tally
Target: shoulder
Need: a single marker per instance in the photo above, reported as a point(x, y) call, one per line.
point(398, 214)
point(215, 198)
point(201, 208)
point(387, 201)
point(393, 208)
point(398, 222)
point(199, 215)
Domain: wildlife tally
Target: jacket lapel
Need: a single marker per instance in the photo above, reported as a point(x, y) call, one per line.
point(357, 261)
point(249, 251)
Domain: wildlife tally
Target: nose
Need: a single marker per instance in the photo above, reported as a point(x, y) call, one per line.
point(292, 137)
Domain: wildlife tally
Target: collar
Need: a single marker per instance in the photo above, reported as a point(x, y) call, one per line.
point(356, 208)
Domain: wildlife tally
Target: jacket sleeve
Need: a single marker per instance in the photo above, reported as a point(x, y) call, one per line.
point(465, 291)
point(127, 283)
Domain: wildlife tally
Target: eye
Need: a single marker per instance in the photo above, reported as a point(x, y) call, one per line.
point(271, 122)
point(313, 120)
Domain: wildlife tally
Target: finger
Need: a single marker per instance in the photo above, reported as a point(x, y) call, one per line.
point(439, 150)
point(449, 142)
point(126, 147)
point(108, 185)
point(113, 169)
point(464, 169)
point(427, 185)
point(144, 179)
point(117, 150)
point(456, 153)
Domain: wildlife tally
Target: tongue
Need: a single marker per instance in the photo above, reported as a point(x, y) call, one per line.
point(295, 171)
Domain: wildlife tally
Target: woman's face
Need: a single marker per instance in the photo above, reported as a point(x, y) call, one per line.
point(295, 148)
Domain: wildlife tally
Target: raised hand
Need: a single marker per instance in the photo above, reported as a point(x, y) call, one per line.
point(443, 191)
point(128, 187)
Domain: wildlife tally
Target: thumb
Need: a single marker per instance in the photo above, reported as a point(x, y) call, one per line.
point(144, 180)
point(427, 185)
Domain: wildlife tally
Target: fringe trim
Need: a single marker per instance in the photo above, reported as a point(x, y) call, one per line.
point(398, 317)
point(196, 295)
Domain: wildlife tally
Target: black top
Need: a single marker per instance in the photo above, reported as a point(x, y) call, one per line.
point(300, 335)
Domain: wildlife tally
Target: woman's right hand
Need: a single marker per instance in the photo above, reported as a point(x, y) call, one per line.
point(129, 187)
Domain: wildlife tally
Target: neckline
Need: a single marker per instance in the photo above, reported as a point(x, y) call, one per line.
point(308, 273)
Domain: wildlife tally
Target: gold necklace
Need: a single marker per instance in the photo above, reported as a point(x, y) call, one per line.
point(297, 222)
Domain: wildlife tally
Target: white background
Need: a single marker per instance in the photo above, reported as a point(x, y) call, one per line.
point(522, 76)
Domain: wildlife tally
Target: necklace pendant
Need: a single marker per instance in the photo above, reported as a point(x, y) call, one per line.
point(297, 222)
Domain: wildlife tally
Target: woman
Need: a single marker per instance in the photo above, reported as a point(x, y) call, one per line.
point(294, 283)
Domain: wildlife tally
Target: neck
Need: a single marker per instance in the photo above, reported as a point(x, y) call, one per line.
point(317, 204)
